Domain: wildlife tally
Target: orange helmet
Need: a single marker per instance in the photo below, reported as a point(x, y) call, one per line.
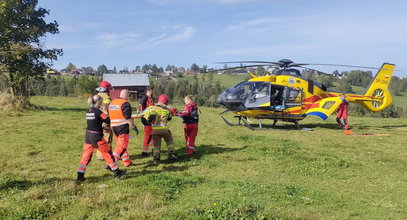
point(163, 99)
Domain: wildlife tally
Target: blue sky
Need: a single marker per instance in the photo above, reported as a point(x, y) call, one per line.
point(128, 33)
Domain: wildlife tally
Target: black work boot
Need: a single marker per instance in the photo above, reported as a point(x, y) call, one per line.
point(172, 156)
point(119, 173)
point(81, 177)
point(157, 160)
point(144, 154)
point(107, 167)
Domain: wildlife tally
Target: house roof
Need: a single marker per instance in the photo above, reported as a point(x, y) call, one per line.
point(127, 79)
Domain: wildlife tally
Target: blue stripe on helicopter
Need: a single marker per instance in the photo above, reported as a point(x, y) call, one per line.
point(319, 114)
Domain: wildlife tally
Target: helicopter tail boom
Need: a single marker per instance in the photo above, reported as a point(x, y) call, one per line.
point(378, 88)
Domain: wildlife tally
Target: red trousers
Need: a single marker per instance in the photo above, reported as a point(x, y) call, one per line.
point(120, 152)
point(148, 132)
point(190, 133)
point(342, 111)
point(103, 148)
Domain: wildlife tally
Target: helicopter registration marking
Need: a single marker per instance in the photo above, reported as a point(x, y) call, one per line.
point(291, 81)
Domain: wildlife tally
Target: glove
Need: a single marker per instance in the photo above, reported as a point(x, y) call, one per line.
point(135, 130)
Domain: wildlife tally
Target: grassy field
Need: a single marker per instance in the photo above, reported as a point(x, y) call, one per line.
point(236, 173)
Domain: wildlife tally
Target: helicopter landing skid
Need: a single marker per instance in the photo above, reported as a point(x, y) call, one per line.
point(246, 122)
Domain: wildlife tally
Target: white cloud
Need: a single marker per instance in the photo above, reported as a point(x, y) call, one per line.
point(109, 40)
point(269, 23)
point(181, 33)
point(139, 41)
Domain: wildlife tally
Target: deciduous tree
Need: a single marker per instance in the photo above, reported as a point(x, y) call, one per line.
point(22, 53)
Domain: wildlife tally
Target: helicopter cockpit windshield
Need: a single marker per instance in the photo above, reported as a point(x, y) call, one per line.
point(239, 92)
point(253, 95)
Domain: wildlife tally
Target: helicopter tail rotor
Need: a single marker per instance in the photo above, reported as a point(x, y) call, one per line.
point(378, 89)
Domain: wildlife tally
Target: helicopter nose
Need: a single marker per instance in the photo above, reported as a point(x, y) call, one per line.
point(219, 100)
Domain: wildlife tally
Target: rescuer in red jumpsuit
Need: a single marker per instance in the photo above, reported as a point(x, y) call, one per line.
point(94, 139)
point(343, 113)
point(145, 102)
point(190, 119)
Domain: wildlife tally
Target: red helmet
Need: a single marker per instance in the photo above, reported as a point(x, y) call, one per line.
point(106, 85)
point(163, 99)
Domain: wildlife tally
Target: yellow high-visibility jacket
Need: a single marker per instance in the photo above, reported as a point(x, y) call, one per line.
point(158, 116)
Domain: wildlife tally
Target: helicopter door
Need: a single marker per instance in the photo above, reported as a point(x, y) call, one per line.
point(259, 97)
point(292, 97)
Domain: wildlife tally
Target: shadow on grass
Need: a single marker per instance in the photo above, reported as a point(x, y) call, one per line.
point(62, 109)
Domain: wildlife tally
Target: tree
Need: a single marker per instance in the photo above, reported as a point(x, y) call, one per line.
point(194, 67)
point(22, 54)
point(70, 67)
point(261, 71)
point(138, 68)
point(205, 68)
point(114, 69)
point(102, 69)
point(154, 68)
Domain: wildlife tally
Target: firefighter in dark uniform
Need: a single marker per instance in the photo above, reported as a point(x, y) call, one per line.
point(94, 139)
point(120, 116)
point(145, 102)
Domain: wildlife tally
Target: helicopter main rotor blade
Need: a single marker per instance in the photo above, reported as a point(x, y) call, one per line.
point(241, 67)
point(265, 62)
point(319, 72)
point(341, 65)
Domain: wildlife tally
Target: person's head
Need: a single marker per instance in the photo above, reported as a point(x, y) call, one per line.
point(163, 98)
point(188, 99)
point(104, 86)
point(95, 100)
point(343, 95)
point(149, 91)
point(124, 94)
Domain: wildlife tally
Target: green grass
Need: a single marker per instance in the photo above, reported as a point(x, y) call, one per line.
point(236, 173)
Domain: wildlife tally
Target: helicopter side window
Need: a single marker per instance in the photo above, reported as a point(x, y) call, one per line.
point(293, 97)
point(276, 97)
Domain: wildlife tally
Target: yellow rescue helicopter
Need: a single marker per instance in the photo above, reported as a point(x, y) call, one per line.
point(288, 96)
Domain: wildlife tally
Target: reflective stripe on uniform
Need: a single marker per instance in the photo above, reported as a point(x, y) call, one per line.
point(191, 147)
point(113, 166)
point(125, 157)
point(159, 126)
point(81, 168)
point(116, 155)
point(118, 122)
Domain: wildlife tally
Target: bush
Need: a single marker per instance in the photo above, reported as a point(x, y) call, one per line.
point(205, 93)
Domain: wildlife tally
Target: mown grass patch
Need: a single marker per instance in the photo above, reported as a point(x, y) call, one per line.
point(236, 173)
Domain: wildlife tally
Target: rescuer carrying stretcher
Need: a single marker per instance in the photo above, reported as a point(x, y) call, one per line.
point(104, 91)
point(94, 139)
point(120, 116)
point(190, 118)
point(157, 117)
